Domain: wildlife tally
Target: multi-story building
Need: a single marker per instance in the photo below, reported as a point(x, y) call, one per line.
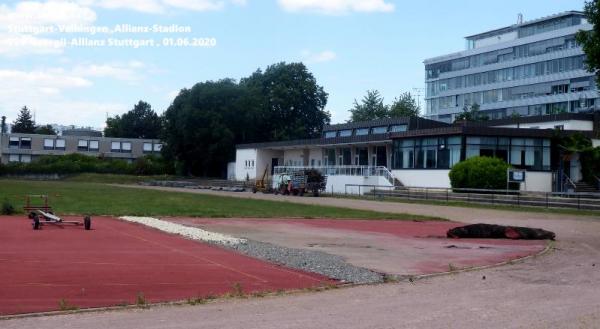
point(27, 147)
point(529, 68)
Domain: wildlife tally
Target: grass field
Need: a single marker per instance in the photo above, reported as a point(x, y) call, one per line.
point(75, 197)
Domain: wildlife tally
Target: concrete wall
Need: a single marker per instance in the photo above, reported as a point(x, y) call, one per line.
point(568, 125)
point(423, 177)
point(316, 155)
point(264, 158)
point(243, 169)
point(537, 181)
point(294, 157)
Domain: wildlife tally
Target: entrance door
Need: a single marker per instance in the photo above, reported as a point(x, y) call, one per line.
point(381, 156)
point(274, 163)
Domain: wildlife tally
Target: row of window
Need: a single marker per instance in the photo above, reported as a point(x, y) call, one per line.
point(365, 131)
point(445, 152)
point(24, 158)
point(84, 145)
point(506, 94)
point(249, 164)
point(503, 55)
point(507, 74)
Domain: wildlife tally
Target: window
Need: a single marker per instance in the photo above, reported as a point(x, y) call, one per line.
point(330, 134)
point(25, 158)
point(379, 130)
point(82, 145)
point(48, 144)
point(345, 133)
point(429, 153)
point(25, 143)
point(559, 127)
point(94, 146)
point(59, 144)
point(147, 147)
point(13, 158)
point(13, 143)
point(361, 131)
point(115, 147)
point(126, 147)
point(398, 128)
point(157, 147)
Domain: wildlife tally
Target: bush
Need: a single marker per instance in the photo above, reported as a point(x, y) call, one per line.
point(479, 173)
point(7, 208)
point(78, 163)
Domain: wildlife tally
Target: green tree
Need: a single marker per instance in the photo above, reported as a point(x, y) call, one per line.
point(140, 122)
point(404, 106)
point(371, 107)
point(590, 40)
point(291, 104)
point(471, 113)
point(45, 130)
point(3, 125)
point(24, 123)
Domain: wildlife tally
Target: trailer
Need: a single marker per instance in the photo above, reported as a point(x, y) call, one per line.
point(301, 182)
point(42, 214)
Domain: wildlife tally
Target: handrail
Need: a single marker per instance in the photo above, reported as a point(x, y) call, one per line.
point(597, 182)
point(569, 181)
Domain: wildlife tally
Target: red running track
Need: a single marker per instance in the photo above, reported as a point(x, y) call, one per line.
point(115, 261)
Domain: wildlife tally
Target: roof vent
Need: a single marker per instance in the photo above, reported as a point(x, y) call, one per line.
point(520, 19)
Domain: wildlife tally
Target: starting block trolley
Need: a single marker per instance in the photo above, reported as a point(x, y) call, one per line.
point(42, 214)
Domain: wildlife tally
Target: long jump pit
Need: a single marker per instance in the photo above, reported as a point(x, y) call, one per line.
point(119, 262)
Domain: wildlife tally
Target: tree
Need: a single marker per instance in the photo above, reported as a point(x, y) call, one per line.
point(291, 105)
point(3, 125)
point(590, 40)
point(371, 107)
point(45, 130)
point(140, 122)
point(471, 113)
point(24, 123)
point(404, 106)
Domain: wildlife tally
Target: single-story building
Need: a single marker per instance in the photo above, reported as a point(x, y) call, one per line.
point(418, 152)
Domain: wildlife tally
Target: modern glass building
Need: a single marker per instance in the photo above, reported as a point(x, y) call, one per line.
point(529, 68)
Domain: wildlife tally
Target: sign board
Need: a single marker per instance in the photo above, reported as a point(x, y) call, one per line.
point(517, 176)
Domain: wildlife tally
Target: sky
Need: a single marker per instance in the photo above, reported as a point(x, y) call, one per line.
point(75, 62)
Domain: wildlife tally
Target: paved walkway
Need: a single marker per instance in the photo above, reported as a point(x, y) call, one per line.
point(557, 290)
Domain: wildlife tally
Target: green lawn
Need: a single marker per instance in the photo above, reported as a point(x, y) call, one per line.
point(74, 197)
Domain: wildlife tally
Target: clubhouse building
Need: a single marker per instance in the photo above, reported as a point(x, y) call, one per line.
point(419, 152)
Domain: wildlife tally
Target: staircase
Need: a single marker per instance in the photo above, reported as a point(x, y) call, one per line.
point(584, 187)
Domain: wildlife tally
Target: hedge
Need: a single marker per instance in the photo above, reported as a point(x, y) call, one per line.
point(479, 173)
point(78, 163)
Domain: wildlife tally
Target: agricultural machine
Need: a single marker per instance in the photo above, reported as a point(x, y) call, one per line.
point(301, 182)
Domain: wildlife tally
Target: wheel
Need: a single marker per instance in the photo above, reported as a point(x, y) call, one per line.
point(87, 223)
point(36, 222)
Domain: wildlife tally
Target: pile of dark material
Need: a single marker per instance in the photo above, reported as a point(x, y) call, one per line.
point(490, 231)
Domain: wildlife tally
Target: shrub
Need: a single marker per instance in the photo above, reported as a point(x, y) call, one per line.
point(479, 173)
point(78, 163)
point(7, 208)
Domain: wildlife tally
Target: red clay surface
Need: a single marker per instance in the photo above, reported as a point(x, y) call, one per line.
point(395, 247)
point(115, 261)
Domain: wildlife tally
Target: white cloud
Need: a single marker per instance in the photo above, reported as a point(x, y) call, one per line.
point(45, 13)
point(15, 44)
point(123, 72)
point(321, 57)
point(162, 6)
point(197, 5)
point(336, 7)
point(145, 6)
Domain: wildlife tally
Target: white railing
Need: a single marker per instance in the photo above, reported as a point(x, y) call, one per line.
point(365, 171)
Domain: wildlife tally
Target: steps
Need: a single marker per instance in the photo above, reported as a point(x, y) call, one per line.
point(583, 187)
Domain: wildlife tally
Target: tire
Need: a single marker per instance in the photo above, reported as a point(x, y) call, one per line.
point(36, 222)
point(87, 223)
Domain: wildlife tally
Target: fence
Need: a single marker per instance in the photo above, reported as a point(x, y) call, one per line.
point(582, 201)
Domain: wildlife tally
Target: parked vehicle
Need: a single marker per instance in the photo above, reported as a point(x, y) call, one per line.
point(300, 182)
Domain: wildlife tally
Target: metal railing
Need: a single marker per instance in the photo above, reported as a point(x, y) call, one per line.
point(597, 183)
point(582, 201)
point(365, 171)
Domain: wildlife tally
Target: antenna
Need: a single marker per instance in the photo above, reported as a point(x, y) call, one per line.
point(418, 92)
point(519, 19)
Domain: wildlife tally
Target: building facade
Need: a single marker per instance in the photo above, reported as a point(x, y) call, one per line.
point(419, 152)
point(527, 69)
point(27, 147)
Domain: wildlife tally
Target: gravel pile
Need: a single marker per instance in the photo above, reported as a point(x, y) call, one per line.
point(308, 260)
point(319, 262)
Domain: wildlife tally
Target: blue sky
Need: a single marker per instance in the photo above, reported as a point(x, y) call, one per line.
point(349, 45)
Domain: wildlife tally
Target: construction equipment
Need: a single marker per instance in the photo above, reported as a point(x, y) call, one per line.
point(41, 214)
point(263, 183)
point(300, 182)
